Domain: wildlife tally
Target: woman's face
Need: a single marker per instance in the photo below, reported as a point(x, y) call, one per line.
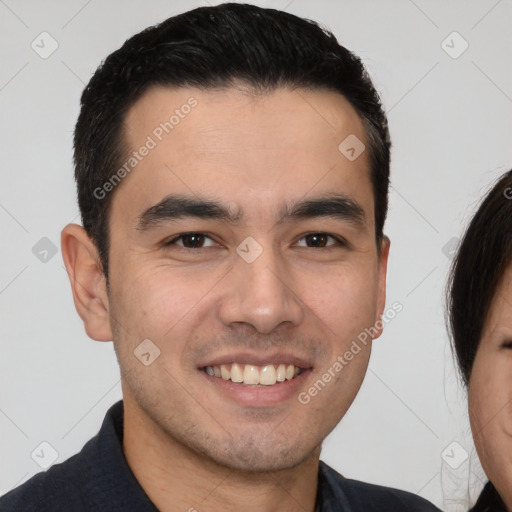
point(490, 392)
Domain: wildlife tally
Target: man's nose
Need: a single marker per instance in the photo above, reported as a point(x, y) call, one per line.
point(261, 293)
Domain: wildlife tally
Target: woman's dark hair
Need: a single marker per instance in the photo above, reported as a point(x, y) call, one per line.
point(216, 47)
point(482, 258)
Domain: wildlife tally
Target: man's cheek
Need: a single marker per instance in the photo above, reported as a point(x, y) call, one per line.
point(348, 314)
point(159, 300)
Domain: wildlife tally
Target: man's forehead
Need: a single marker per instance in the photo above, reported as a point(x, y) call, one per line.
point(304, 131)
point(297, 157)
point(324, 108)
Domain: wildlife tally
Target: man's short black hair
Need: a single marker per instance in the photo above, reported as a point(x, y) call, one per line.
point(484, 255)
point(212, 47)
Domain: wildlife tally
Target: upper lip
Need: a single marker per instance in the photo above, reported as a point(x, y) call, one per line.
point(257, 359)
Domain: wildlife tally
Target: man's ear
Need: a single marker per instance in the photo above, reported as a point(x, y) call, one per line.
point(382, 267)
point(87, 280)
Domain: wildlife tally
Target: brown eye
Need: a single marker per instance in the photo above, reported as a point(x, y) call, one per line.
point(319, 240)
point(192, 241)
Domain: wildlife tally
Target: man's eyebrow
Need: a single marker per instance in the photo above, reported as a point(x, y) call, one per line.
point(337, 206)
point(178, 206)
point(172, 207)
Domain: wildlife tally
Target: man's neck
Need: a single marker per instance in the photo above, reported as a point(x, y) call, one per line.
point(177, 479)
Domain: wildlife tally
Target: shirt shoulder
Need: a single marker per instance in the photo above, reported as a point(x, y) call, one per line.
point(98, 479)
point(376, 497)
point(59, 486)
point(357, 496)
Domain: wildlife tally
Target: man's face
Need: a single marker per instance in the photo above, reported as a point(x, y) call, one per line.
point(490, 392)
point(268, 284)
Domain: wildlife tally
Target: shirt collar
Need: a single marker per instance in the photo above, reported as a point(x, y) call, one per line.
point(113, 485)
point(330, 496)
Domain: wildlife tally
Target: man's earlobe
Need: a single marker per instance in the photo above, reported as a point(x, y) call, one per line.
point(382, 267)
point(88, 282)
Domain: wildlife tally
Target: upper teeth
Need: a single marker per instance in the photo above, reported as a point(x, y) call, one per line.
point(266, 375)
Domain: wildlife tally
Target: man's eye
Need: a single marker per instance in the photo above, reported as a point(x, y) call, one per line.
point(192, 241)
point(319, 240)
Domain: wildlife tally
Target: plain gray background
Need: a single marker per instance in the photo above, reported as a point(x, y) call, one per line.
point(450, 120)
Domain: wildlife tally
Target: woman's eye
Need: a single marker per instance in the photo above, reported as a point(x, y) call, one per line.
point(319, 240)
point(192, 241)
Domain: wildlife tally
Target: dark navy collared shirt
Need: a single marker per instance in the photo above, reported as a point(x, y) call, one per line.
point(99, 479)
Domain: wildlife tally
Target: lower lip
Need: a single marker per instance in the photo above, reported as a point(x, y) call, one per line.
point(259, 396)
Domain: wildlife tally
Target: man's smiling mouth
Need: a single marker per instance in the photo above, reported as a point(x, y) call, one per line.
point(252, 375)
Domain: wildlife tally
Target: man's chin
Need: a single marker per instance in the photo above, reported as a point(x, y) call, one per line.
point(251, 458)
point(246, 448)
